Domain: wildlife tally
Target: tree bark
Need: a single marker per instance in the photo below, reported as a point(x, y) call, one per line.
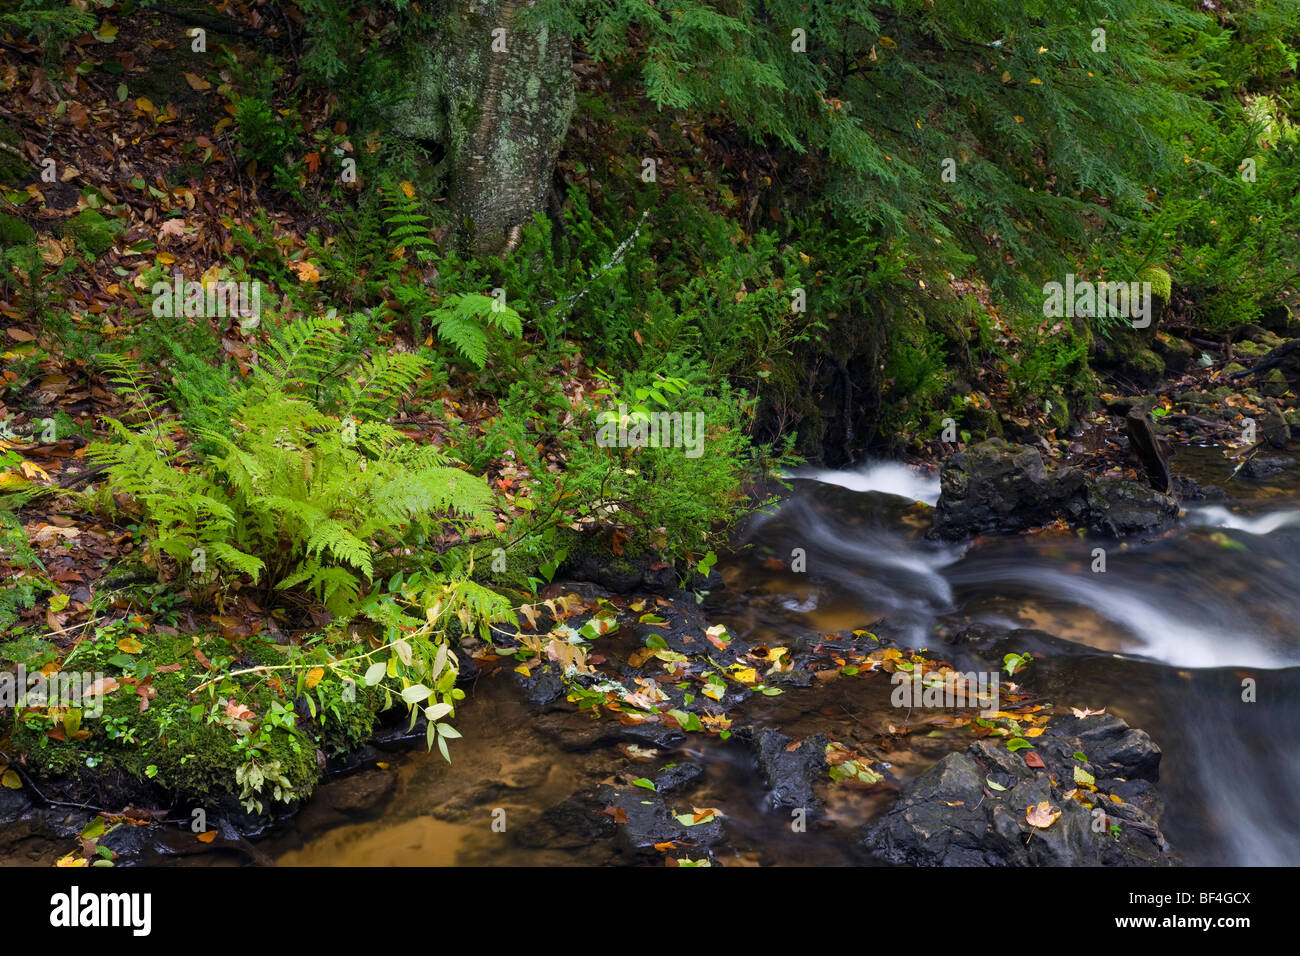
point(497, 91)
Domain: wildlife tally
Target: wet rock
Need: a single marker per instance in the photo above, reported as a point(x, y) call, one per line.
point(950, 816)
point(1257, 469)
point(1118, 507)
point(678, 778)
point(994, 487)
point(790, 773)
point(578, 733)
point(633, 819)
point(1273, 428)
point(357, 795)
point(542, 687)
point(1188, 489)
point(1111, 745)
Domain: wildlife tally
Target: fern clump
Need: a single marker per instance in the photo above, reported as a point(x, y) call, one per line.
point(305, 486)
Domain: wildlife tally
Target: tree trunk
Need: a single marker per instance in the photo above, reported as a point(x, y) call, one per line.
point(497, 92)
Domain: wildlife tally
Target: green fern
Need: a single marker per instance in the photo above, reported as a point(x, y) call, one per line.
point(463, 321)
point(289, 495)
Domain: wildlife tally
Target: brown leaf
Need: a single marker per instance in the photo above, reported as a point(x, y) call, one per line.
point(615, 813)
point(1033, 760)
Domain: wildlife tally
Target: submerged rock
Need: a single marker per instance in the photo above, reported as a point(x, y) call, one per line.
point(632, 819)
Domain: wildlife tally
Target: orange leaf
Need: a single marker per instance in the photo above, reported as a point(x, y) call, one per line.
point(207, 836)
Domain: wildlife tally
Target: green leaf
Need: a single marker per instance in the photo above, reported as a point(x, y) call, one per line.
point(375, 673)
point(643, 782)
point(993, 785)
point(415, 693)
point(1018, 743)
point(434, 711)
point(1082, 776)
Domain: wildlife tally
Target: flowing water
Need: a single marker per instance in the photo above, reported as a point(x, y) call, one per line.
point(1166, 637)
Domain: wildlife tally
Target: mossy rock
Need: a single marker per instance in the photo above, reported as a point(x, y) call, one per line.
point(15, 232)
point(1274, 384)
point(1249, 350)
point(982, 423)
point(1178, 353)
point(92, 231)
point(1057, 408)
point(1144, 365)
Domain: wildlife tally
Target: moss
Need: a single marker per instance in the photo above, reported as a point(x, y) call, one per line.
point(1162, 284)
point(1144, 365)
point(15, 232)
point(175, 743)
point(1274, 384)
point(983, 423)
point(92, 231)
point(1249, 350)
point(14, 171)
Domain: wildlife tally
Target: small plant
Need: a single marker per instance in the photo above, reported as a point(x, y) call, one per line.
point(1012, 663)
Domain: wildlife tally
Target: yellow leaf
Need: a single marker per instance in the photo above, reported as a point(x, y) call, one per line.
point(314, 675)
point(1035, 731)
point(11, 780)
point(1041, 815)
point(746, 675)
point(1006, 76)
point(144, 105)
point(888, 43)
point(166, 258)
point(408, 190)
point(129, 645)
point(70, 860)
point(1020, 119)
point(1035, 82)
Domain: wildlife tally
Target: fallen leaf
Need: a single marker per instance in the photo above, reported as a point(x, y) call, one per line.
point(1041, 815)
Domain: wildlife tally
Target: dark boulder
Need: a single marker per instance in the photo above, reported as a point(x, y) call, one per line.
point(790, 773)
point(970, 809)
point(997, 488)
